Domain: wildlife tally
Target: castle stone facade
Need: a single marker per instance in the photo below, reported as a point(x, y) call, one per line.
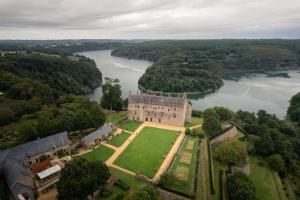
point(160, 109)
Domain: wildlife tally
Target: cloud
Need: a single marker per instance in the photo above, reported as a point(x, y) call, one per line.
point(50, 19)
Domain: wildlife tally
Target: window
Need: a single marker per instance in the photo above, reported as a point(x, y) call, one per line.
point(146, 119)
point(133, 118)
point(159, 120)
point(37, 160)
point(174, 115)
point(150, 119)
point(174, 109)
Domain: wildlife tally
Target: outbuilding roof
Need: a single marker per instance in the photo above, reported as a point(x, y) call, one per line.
point(157, 100)
point(49, 171)
point(107, 128)
point(18, 178)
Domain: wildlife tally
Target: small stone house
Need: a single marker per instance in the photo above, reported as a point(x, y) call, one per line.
point(160, 109)
point(101, 134)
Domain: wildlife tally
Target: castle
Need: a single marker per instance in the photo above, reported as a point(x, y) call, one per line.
point(159, 109)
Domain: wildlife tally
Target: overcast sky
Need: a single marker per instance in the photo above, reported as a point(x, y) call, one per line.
point(153, 19)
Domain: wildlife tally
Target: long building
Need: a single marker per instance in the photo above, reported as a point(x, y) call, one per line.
point(159, 109)
point(16, 161)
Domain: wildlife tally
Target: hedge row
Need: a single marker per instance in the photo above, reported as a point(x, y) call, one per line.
point(211, 170)
point(192, 196)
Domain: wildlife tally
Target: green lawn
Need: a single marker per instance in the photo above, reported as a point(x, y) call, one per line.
point(264, 182)
point(217, 167)
point(147, 151)
point(130, 125)
point(102, 153)
point(119, 139)
point(195, 121)
point(116, 116)
point(185, 186)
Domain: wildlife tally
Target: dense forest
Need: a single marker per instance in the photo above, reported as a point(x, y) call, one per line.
point(59, 47)
point(38, 96)
point(201, 65)
point(73, 74)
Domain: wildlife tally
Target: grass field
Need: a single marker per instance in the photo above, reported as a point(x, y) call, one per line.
point(180, 185)
point(267, 186)
point(130, 125)
point(195, 121)
point(203, 183)
point(116, 116)
point(119, 139)
point(102, 153)
point(147, 151)
point(217, 167)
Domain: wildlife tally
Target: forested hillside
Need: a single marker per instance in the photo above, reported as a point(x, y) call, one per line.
point(200, 65)
point(33, 101)
point(77, 75)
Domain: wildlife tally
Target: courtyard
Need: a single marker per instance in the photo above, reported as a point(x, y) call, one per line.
point(147, 151)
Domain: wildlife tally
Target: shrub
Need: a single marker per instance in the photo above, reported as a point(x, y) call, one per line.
point(122, 184)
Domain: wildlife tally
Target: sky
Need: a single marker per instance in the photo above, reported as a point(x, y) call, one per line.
point(149, 19)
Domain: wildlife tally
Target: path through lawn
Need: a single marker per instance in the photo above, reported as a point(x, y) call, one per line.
point(119, 139)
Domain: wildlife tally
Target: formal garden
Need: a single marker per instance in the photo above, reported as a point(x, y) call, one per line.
point(182, 172)
point(147, 151)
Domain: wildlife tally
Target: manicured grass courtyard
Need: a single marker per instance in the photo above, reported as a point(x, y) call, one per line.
point(147, 151)
point(102, 153)
point(267, 186)
point(116, 116)
point(130, 125)
point(180, 185)
point(195, 121)
point(119, 139)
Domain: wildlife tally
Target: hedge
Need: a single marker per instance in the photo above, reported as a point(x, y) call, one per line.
point(122, 185)
point(211, 170)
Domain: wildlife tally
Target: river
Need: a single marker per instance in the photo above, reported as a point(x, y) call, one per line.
point(251, 92)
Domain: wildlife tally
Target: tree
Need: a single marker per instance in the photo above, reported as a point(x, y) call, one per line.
point(231, 151)
point(211, 123)
point(82, 119)
point(240, 187)
point(224, 113)
point(98, 116)
point(264, 146)
point(80, 178)
point(27, 131)
point(6, 115)
point(111, 98)
point(276, 162)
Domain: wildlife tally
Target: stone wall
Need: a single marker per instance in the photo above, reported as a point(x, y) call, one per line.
point(229, 134)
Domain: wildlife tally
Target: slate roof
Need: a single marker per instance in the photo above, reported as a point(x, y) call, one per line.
point(108, 128)
point(17, 177)
point(157, 100)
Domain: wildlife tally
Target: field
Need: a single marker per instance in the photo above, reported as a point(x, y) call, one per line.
point(119, 139)
point(116, 116)
point(267, 186)
point(147, 151)
point(183, 171)
point(102, 153)
point(130, 125)
point(195, 121)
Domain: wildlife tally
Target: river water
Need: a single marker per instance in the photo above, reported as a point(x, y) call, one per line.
point(251, 92)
